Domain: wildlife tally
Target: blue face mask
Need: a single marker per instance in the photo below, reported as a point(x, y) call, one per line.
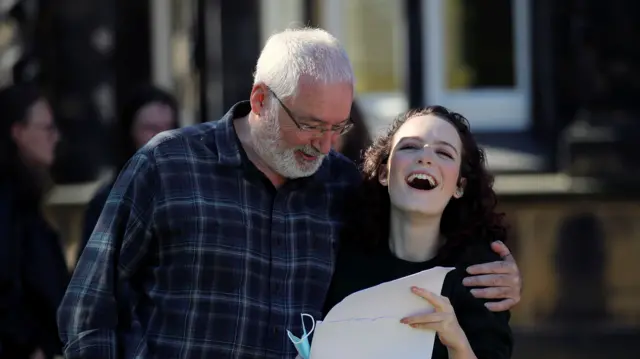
point(302, 344)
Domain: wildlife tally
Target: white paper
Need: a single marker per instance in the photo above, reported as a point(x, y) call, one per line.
point(366, 324)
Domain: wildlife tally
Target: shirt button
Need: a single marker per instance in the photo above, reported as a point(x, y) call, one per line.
point(276, 330)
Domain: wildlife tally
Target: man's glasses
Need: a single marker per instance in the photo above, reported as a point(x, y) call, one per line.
point(317, 130)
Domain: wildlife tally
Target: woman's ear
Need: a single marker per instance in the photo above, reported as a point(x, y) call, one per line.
point(460, 190)
point(383, 175)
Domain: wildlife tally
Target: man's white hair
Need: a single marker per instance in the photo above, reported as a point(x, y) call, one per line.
point(293, 53)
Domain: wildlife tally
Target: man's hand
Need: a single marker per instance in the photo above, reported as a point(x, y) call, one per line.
point(502, 279)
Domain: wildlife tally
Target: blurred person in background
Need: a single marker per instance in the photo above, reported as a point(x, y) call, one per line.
point(33, 271)
point(354, 142)
point(148, 111)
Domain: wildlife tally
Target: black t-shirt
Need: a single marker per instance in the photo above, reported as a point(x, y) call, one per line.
point(488, 333)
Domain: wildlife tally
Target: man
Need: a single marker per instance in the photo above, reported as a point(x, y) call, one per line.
point(226, 231)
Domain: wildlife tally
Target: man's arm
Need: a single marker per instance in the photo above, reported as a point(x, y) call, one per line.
point(92, 214)
point(88, 315)
point(501, 278)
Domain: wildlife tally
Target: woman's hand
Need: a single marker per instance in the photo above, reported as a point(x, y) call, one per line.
point(443, 321)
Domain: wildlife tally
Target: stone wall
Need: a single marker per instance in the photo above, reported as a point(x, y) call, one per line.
point(580, 261)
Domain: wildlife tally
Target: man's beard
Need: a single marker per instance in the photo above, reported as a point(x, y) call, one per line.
point(268, 144)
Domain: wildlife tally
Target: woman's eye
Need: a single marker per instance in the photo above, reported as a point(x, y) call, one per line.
point(446, 154)
point(404, 147)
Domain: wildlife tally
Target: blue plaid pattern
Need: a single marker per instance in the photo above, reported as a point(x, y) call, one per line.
point(196, 255)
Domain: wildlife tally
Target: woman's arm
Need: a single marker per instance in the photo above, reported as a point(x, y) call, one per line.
point(15, 332)
point(488, 333)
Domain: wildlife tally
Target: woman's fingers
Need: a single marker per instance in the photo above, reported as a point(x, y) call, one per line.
point(423, 319)
point(440, 303)
point(443, 320)
point(432, 326)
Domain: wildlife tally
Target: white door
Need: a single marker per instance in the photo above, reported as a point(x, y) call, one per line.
point(478, 59)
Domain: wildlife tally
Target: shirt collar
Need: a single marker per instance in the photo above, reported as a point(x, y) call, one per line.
point(231, 153)
point(226, 139)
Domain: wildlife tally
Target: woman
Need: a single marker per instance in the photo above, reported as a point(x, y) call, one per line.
point(426, 201)
point(147, 112)
point(33, 271)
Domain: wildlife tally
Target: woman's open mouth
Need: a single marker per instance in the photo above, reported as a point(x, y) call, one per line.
point(422, 181)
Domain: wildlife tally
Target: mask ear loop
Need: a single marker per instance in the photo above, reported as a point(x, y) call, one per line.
point(304, 328)
point(313, 325)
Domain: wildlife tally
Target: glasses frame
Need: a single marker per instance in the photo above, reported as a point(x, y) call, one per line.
point(318, 130)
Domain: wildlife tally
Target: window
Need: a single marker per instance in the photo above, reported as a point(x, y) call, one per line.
point(374, 35)
point(477, 61)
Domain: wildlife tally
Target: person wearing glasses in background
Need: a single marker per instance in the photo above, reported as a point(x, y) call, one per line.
point(33, 270)
point(224, 232)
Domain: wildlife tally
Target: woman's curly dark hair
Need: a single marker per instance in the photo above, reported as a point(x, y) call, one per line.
point(473, 216)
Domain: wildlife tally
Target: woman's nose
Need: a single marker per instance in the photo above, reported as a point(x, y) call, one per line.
point(426, 155)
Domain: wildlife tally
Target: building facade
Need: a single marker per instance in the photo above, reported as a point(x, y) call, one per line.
point(548, 86)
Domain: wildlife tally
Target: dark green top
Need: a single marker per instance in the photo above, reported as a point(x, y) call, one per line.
point(488, 333)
